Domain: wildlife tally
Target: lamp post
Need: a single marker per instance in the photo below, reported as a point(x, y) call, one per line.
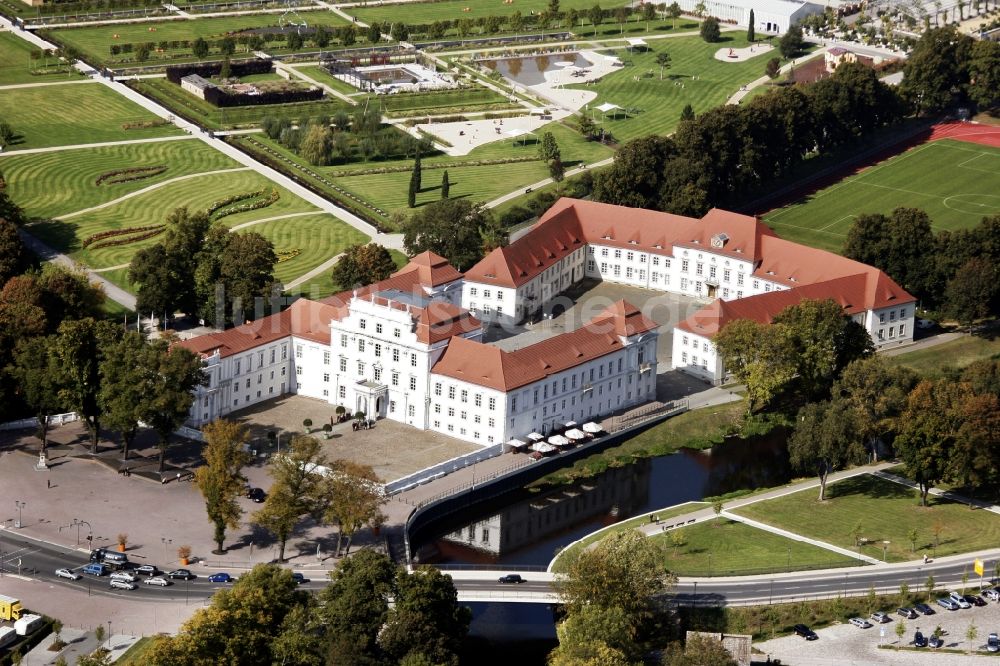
point(885, 546)
point(694, 597)
point(165, 541)
point(789, 564)
point(77, 523)
point(109, 633)
point(20, 505)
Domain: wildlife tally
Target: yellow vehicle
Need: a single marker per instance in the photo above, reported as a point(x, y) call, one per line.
point(10, 608)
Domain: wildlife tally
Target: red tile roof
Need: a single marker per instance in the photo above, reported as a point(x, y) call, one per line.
point(431, 270)
point(572, 223)
point(489, 366)
point(305, 319)
point(855, 293)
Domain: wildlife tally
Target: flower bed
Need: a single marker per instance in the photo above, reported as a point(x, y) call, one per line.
point(144, 124)
point(288, 255)
point(116, 237)
point(222, 208)
point(129, 175)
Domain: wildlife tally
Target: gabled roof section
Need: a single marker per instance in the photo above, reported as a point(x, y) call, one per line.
point(489, 366)
point(430, 270)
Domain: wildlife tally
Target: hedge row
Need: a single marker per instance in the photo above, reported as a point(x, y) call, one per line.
point(129, 175)
point(238, 69)
point(145, 124)
point(128, 239)
point(118, 232)
point(442, 165)
point(221, 98)
point(233, 198)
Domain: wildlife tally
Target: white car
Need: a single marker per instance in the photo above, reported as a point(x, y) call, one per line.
point(122, 584)
point(992, 594)
point(123, 575)
point(157, 580)
point(67, 573)
point(960, 600)
point(860, 623)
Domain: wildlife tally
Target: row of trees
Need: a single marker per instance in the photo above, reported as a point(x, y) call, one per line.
point(728, 153)
point(956, 271)
point(343, 138)
point(201, 268)
point(372, 613)
point(946, 66)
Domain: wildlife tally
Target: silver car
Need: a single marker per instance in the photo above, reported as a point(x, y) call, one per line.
point(122, 584)
point(67, 573)
point(157, 580)
point(860, 623)
point(123, 575)
point(992, 594)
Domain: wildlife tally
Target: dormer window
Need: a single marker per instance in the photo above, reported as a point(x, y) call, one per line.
point(719, 240)
point(632, 242)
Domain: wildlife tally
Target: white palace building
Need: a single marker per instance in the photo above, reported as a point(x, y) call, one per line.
point(410, 347)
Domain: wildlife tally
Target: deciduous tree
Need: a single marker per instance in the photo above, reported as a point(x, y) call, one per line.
point(78, 349)
point(221, 479)
point(354, 498)
point(449, 227)
point(710, 30)
point(636, 176)
point(791, 42)
point(759, 356)
point(362, 265)
point(13, 256)
point(355, 607)
point(698, 651)
point(124, 375)
point(425, 619)
point(36, 375)
point(825, 439)
point(877, 393)
point(971, 291)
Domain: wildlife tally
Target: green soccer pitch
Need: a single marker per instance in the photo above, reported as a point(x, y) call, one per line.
point(956, 182)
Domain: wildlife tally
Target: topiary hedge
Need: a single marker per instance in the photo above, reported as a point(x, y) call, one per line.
point(129, 175)
point(116, 237)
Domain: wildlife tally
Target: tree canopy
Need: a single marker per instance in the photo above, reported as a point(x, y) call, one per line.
point(363, 265)
point(454, 228)
point(220, 480)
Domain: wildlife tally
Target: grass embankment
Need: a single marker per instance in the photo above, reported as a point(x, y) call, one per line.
point(955, 354)
point(723, 547)
point(697, 429)
point(76, 114)
point(137, 653)
point(954, 181)
point(886, 512)
point(660, 102)
point(95, 41)
point(764, 622)
point(17, 66)
point(58, 183)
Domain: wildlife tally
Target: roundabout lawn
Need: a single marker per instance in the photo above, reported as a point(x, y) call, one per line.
point(723, 547)
point(76, 114)
point(57, 183)
point(886, 511)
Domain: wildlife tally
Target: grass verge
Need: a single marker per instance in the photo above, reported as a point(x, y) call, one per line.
point(954, 354)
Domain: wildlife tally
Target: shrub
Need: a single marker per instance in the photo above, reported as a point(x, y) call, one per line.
point(130, 174)
point(129, 234)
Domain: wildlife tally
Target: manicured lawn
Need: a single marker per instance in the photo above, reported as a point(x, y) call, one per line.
point(660, 102)
point(197, 110)
point(317, 73)
point(317, 238)
point(137, 653)
point(560, 562)
point(96, 41)
point(57, 183)
point(933, 361)
point(887, 511)
point(956, 182)
point(85, 113)
point(470, 98)
point(16, 65)
point(453, 10)
point(738, 549)
point(153, 208)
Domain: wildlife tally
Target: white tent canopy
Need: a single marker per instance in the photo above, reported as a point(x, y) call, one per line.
point(635, 41)
point(558, 440)
point(517, 132)
point(607, 106)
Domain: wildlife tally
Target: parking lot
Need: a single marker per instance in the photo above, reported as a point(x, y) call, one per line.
point(844, 644)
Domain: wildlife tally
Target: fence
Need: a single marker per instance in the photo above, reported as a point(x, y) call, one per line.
point(56, 419)
point(646, 414)
point(441, 469)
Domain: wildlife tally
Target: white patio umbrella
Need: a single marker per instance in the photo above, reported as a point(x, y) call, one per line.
point(536, 437)
point(516, 444)
point(558, 440)
point(592, 427)
point(575, 434)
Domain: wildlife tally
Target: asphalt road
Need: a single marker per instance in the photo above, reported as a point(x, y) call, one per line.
point(36, 559)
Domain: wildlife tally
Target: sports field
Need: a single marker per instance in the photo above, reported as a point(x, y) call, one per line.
point(956, 182)
point(17, 65)
point(659, 102)
point(57, 183)
point(74, 114)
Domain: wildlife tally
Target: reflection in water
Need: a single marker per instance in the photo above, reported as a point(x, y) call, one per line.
point(529, 71)
point(530, 529)
point(505, 633)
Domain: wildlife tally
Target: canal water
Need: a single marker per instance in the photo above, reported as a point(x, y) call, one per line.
point(530, 528)
point(502, 634)
point(529, 71)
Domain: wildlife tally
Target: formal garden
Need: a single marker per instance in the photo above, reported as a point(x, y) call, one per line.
point(22, 63)
point(76, 114)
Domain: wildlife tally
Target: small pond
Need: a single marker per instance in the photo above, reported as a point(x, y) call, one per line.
point(528, 71)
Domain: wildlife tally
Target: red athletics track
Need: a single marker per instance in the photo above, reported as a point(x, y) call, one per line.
point(984, 135)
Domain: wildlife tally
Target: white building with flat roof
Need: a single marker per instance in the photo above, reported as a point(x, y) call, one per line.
point(772, 17)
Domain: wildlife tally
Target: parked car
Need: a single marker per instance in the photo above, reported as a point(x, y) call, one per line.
point(805, 632)
point(935, 641)
point(183, 574)
point(992, 594)
point(123, 575)
point(299, 578)
point(908, 613)
point(67, 573)
point(879, 617)
point(919, 640)
point(511, 578)
point(860, 623)
point(220, 577)
point(147, 570)
point(120, 584)
point(924, 609)
point(947, 603)
point(157, 580)
point(993, 643)
point(975, 599)
point(959, 600)
point(256, 495)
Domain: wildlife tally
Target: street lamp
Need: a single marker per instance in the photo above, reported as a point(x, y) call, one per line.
point(789, 566)
point(109, 633)
point(77, 523)
point(20, 505)
point(694, 597)
point(165, 541)
point(885, 546)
